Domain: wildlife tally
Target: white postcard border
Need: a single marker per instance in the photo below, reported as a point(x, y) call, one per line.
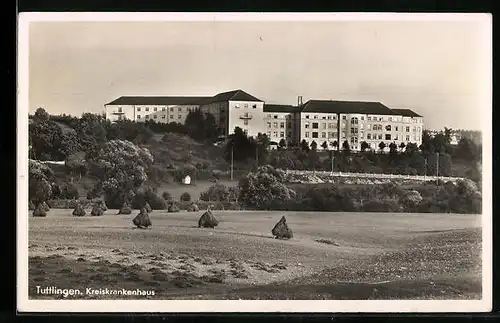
point(128, 306)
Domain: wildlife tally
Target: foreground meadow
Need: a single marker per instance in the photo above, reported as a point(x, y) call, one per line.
point(332, 256)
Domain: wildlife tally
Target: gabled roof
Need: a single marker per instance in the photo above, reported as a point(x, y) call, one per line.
point(235, 95)
point(406, 112)
point(158, 100)
point(280, 108)
point(330, 106)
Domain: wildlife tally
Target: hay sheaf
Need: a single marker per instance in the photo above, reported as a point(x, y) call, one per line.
point(97, 210)
point(44, 206)
point(193, 208)
point(125, 209)
point(102, 205)
point(207, 220)
point(173, 208)
point(142, 219)
point(281, 230)
point(39, 211)
point(148, 207)
point(79, 211)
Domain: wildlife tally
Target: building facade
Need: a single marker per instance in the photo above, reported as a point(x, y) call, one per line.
point(330, 124)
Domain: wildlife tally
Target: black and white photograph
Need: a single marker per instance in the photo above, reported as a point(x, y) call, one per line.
point(254, 162)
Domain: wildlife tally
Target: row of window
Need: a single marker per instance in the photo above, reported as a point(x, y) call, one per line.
point(375, 127)
point(246, 105)
point(281, 124)
point(281, 134)
point(163, 116)
point(354, 134)
point(155, 109)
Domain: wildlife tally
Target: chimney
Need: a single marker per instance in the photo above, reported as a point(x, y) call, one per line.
point(299, 100)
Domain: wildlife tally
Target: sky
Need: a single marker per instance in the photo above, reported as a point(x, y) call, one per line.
point(439, 69)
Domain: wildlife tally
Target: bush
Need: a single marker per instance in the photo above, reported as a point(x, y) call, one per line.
point(69, 191)
point(220, 192)
point(166, 196)
point(148, 196)
point(185, 197)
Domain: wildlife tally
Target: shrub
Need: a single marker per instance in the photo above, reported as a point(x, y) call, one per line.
point(69, 191)
point(173, 207)
point(185, 197)
point(193, 208)
point(166, 196)
point(148, 195)
point(220, 192)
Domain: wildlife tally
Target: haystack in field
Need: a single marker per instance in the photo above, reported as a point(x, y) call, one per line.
point(125, 209)
point(193, 208)
point(173, 208)
point(281, 230)
point(148, 207)
point(102, 205)
point(45, 207)
point(31, 206)
point(79, 210)
point(97, 210)
point(207, 220)
point(39, 211)
point(142, 219)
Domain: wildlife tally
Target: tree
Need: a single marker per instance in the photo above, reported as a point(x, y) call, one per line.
point(411, 148)
point(314, 145)
point(240, 147)
point(220, 193)
point(41, 114)
point(76, 164)
point(393, 148)
point(201, 126)
point(304, 146)
point(467, 150)
point(39, 182)
point(364, 146)
point(282, 144)
point(123, 169)
point(185, 197)
point(345, 147)
point(411, 199)
point(381, 146)
point(324, 145)
point(70, 144)
point(45, 137)
point(261, 188)
point(427, 145)
point(335, 144)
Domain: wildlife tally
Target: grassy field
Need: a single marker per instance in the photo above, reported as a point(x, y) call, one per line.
point(332, 256)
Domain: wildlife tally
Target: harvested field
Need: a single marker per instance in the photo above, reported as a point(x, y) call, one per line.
point(331, 256)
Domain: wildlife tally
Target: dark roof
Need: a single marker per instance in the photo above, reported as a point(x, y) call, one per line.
point(158, 100)
point(280, 108)
point(406, 112)
point(235, 95)
point(365, 107)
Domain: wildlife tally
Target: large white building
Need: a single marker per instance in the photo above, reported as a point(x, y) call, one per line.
point(321, 121)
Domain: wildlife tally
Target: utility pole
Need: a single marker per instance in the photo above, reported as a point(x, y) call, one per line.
point(232, 161)
point(437, 165)
point(257, 154)
point(333, 158)
point(425, 169)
